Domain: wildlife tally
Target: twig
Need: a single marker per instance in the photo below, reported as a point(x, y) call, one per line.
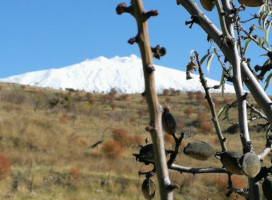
point(248, 20)
point(183, 169)
point(176, 151)
point(264, 69)
point(241, 191)
point(203, 81)
point(227, 74)
point(256, 111)
point(254, 40)
point(268, 148)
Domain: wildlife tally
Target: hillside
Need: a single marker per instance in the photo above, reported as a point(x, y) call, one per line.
point(48, 136)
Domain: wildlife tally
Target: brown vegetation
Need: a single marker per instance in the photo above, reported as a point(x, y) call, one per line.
point(48, 154)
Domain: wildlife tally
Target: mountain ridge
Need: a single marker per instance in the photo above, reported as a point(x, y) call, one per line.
point(102, 74)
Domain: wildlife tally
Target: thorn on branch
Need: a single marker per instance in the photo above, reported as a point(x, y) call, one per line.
point(150, 127)
point(158, 51)
point(150, 13)
point(244, 97)
point(194, 20)
point(269, 54)
point(143, 94)
point(172, 187)
point(264, 69)
point(150, 68)
point(122, 8)
point(133, 40)
point(209, 39)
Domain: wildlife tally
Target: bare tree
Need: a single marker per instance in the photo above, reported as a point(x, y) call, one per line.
point(232, 39)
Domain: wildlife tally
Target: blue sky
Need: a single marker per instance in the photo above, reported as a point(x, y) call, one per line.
point(43, 34)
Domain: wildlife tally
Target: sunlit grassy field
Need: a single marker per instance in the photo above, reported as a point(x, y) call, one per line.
point(47, 136)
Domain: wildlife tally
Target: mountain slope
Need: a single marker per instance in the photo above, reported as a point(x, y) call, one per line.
point(102, 74)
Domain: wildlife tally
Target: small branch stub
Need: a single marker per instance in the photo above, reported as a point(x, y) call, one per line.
point(122, 8)
point(158, 51)
point(191, 23)
point(150, 68)
point(151, 13)
point(133, 40)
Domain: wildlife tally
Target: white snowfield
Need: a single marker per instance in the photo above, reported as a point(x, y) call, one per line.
point(101, 74)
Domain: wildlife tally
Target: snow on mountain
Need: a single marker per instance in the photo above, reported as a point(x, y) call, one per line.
point(102, 74)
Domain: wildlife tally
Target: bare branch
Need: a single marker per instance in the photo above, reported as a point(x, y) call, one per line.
point(203, 81)
point(183, 169)
point(267, 149)
point(256, 111)
point(253, 38)
point(176, 151)
point(155, 113)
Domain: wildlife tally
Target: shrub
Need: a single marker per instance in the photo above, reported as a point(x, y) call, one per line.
point(202, 117)
point(53, 102)
point(190, 95)
point(141, 112)
point(188, 111)
point(4, 166)
point(199, 96)
point(168, 100)
point(133, 120)
point(64, 118)
point(138, 140)
point(120, 135)
point(174, 92)
point(143, 101)
point(220, 182)
point(206, 127)
point(239, 181)
point(106, 98)
point(113, 149)
point(205, 104)
point(166, 92)
point(113, 93)
point(75, 173)
point(124, 97)
point(12, 97)
point(113, 105)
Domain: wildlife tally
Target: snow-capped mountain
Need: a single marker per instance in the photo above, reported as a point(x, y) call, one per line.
point(102, 74)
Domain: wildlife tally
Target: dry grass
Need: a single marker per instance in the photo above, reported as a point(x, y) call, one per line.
point(47, 135)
